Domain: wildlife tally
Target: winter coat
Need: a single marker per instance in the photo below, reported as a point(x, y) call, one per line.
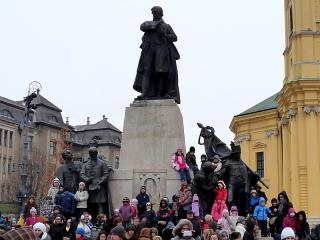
point(67, 202)
point(56, 231)
point(185, 197)
point(30, 221)
point(177, 229)
point(142, 198)
point(52, 192)
point(241, 229)
point(261, 211)
point(221, 194)
point(225, 222)
point(178, 162)
point(289, 221)
point(86, 228)
point(303, 229)
point(253, 202)
point(126, 212)
point(83, 198)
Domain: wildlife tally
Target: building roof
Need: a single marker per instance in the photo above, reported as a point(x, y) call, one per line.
point(267, 104)
point(12, 103)
point(40, 100)
point(103, 124)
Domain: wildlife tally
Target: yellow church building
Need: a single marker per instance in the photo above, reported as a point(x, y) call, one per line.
point(280, 136)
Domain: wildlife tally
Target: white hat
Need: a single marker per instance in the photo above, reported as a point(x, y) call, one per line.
point(287, 232)
point(42, 227)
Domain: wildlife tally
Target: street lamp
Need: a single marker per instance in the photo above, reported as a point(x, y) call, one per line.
point(29, 109)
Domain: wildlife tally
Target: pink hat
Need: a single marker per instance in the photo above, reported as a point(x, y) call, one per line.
point(234, 209)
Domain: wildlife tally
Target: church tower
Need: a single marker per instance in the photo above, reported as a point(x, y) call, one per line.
point(299, 106)
point(280, 136)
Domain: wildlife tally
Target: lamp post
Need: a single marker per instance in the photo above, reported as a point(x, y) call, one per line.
point(24, 166)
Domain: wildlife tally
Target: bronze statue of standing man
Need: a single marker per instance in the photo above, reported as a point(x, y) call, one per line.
point(157, 74)
point(95, 173)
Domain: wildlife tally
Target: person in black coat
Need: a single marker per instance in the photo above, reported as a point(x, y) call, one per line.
point(249, 233)
point(283, 206)
point(57, 228)
point(142, 198)
point(303, 229)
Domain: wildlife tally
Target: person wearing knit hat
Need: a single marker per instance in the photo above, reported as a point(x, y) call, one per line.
point(126, 212)
point(234, 216)
point(219, 205)
point(81, 197)
point(288, 234)
point(40, 231)
point(53, 190)
point(80, 232)
point(33, 219)
point(179, 164)
point(118, 233)
point(241, 226)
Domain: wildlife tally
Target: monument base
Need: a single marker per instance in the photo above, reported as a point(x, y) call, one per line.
point(153, 129)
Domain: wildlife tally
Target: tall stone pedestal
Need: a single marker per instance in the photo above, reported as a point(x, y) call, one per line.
point(153, 129)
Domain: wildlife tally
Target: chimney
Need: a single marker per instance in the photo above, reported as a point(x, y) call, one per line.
point(67, 120)
point(104, 117)
point(88, 120)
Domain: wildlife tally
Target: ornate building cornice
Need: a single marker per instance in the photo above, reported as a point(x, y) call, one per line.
point(242, 138)
point(308, 109)
point(272, 132)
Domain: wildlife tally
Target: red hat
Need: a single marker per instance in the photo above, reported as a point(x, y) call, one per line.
point(222, 183)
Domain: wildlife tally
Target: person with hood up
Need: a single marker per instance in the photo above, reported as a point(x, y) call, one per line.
point(283, 206)
point(224, 222)
point(290, 220)
point(179, 164)
point(142, 198)
point(54, 189)
point(184, 227)
point(167, 231)
point(40, 231)
point(163, 217)
point(220, 200)
point(234, 215)
point(216, 162)
point(253, 201)
point(241, 226)
point(196, 207)
point(134, 207)
point(288, 234)
point(261, 213)
point(150, 215)
point(303, 229)
point(125, 212)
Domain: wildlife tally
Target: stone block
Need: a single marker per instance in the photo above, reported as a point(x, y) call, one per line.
point(153, 129)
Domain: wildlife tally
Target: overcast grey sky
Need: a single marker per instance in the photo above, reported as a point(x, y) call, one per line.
point(85, 54)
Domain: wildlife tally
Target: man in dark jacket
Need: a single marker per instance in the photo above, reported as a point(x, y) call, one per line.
point(142, 198)
point(67, 203)
point(57, 228)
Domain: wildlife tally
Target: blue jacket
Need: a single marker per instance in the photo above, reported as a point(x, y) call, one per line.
point(261, 211)
point(67, 203)
point(143, 198)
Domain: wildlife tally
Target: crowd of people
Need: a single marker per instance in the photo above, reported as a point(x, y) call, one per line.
point(180, 217)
